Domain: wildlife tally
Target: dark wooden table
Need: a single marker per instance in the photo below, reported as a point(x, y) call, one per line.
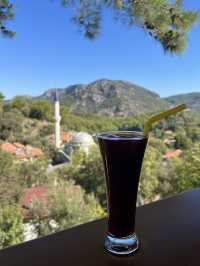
point(169, 231)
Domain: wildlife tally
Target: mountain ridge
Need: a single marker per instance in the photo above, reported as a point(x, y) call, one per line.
point(117, 97)
point(109, 97)
point(192, 100)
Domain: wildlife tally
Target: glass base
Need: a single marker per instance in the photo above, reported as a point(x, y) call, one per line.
point(122, 246)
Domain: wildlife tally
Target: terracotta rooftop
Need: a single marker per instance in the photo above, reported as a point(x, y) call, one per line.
point(36, 152)
point(173, 154)
point(64, 136)
point(8, 147)
point(36, 193)
point(19, 145)
point(20, 151)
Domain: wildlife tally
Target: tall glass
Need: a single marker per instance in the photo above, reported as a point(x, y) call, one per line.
point(122, 154)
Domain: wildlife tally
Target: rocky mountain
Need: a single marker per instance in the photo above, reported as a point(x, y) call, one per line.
point(109, 97)
point(117, 97)
point(191, 99)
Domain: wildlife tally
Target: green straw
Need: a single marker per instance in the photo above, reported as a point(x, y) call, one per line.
point(158, 117)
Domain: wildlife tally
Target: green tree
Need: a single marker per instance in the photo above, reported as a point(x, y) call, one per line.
point(193, 133)
point(22, 104)
point(32, 173)
point(10, 185)
point(168, 177)
point(64, 110)
point(1, 96)
point(11, 226)
point(186, 174)
point(6, 162)
point(10, 125)
point(41, 110)
point(180, 174)
point(47, 130)
point(149, 180)
point(15, 177)
point(87, 171)
point(1, 104)
point(182, 141)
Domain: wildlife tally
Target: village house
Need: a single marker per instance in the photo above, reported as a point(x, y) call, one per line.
point(172, 154)
point(65, 137)
point(30, 196)
point(38, 194)
point(22, 152)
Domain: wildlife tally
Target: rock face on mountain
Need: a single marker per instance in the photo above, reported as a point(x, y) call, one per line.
point(49, 94)
point(191, 99)
point(109, 97)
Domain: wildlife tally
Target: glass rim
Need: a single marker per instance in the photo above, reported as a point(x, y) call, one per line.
point(102, 135)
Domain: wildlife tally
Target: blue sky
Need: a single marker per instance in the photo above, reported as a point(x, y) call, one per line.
point(49, 51)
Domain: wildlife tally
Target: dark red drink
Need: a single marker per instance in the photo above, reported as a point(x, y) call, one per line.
point(122, 154)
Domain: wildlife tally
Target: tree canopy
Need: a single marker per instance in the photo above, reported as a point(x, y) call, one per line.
point(166, 21)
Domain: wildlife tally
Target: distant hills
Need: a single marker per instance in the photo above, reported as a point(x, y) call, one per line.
point(191, 99)
point(117, 97)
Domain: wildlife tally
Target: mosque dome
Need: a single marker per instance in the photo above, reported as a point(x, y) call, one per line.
point(82, 138)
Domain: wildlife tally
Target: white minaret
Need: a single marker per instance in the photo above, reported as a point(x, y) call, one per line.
point(57, 120)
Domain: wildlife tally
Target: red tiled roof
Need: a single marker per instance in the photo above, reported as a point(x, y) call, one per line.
point(20, 151)
point(64, 136)
point(36, 193)
point(172, 154)
point(8, 147)
point(19, 145)
point(36, 152)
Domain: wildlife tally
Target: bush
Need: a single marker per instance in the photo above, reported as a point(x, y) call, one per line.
point(87, 171)
point(6, 161)
point(10, 125)
point(22, 104)
point(32, 173)
point(11, 226)
point(41, 110)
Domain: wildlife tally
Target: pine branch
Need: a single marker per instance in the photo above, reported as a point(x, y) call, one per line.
point(166, 21)
point(6, 13)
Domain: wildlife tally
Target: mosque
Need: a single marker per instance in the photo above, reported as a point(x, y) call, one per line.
point(79, 140)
